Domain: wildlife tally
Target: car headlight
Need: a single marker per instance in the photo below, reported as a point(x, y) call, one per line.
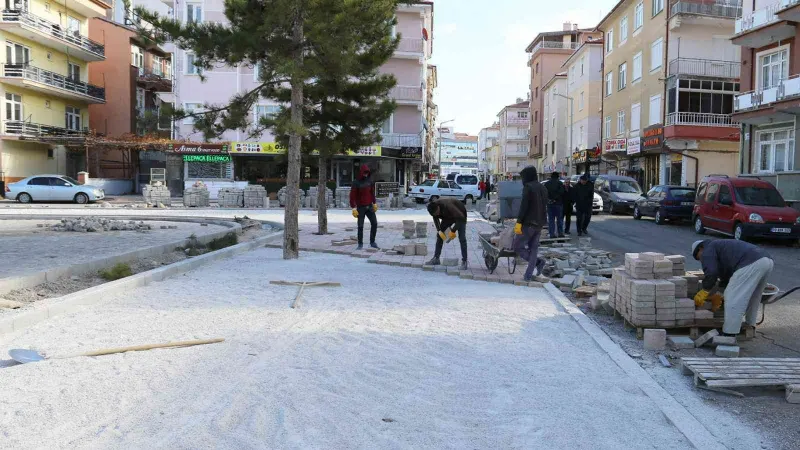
point(756, 218)
point(797, 221)
point(97, 192)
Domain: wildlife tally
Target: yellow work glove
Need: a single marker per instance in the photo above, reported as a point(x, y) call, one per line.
point(700, 298)
point(374, 207)
point(518, 228)
point(355, 213)
point(716, 302)
point(451, 235)
point(442, 236)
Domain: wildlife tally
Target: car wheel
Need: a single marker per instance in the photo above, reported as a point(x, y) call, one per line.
point(637, 215)
point(660, 218)
point(81, 198)
point(612, 208)
point(698, 226)
point(738, 232)
point(419, 200)
point(469, 198)
point(433, 198)
point(24, 198)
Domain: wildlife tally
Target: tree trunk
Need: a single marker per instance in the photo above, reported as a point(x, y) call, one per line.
point(322, 190)
point(291, 233)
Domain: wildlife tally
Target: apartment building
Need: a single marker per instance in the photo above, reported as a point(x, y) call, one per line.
point(584, 70)
point(669, 80)
point(514, 123)
point(488, 138)
point(45, 85)
point(547, 53)
point(770, 100)
point(458, 152)
point(555, 123)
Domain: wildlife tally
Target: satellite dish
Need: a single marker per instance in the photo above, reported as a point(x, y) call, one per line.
point(425, 34)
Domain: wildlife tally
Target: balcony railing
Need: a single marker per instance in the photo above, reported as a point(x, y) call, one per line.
point(700, 119)
point(705, 68)
point(517, 121)
point(35, 130)
point(73, 37)
point(411, 45)
point(554, 44)
point(407, 93)
point(37, 75)
point(758, 18)
point(719, 9)
point(401, 140)
point(518, 137)
point(785, 90)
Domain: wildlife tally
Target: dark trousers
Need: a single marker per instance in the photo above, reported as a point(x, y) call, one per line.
point(461, 229)
point(567, 217)
point(555, 211)
point(583, 217)
point(527, 247)
point(366, 211)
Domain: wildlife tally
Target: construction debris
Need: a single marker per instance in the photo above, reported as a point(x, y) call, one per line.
point(196, 196)
point(717, 373)
point(98, 224)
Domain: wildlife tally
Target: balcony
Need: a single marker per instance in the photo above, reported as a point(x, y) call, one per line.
point(763, 27)
point(705, 68)
point(786, 91)
point(35, 131)
point(154, 78)
point(517, 121)
point(789, 10)
point(41, 80)
point(724, 10)
point(397, 140)
point(518, 137)
point(407, 95)
point(410, 48)
point(701, 119)
point(552, 45)
point(51, 34)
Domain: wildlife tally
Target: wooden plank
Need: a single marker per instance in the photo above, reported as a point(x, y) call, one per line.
point(721, 390)
point(732, 376)
point(746, 383)
point(736, 360)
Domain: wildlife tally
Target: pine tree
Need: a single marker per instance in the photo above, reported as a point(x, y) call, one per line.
point(301, 48)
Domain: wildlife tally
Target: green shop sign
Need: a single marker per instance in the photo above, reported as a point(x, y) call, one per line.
point(207, 158)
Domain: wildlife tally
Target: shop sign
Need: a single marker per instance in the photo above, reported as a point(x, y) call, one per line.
point(653, 138)
point(207, 158)
point(198, 149)
point(615, 145)
point(676, 157)
point(374, 150)
point(634, 146)
point(257, 148)
point(383, 189)
point(591, 156)
point(404, 153)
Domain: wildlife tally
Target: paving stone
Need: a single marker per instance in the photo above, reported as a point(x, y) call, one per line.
point(727, 351)
point(793, 393)
point(655, 339)
point(702, 340)
point(723, 340)
point(466, 275)
point(680, 342)
point(535, 284)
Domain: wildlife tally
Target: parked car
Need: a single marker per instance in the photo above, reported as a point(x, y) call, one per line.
point(619, 193)
point(53, 188)
point(575, 178)
point(743, 208)
point(467, 183)
point(433, 189)
point(665, 203)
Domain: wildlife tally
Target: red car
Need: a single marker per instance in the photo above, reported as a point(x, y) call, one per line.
point(743, 208)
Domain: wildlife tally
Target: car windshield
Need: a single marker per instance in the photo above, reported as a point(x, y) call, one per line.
point(683, 194)
point(71, 180)
point(468, 180)
point(759, 196)
point(428, 183)
point(625, 186)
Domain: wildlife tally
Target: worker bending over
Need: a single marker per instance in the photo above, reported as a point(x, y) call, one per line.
point(742, 270)
point(449, 215)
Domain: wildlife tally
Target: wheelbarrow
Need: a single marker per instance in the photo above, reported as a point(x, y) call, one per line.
point(492, 255)
point(771, 295)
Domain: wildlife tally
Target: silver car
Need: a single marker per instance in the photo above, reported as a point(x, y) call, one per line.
point(53, 188)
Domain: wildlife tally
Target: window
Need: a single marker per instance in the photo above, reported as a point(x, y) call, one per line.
point(537, 92)
point(386, 128)
point(608, 126)
point(580, 102)
point(637, 67)
point(266, 111)
point(655, 54)
point(775, 151)
point(636, 116)
point(553, 147)
point(257, 72)
point(41, 181)
point(554, 119)
point(609, 83)
point(190, 108)
point(774, 69)
point(73, 72)
point(583, 61)
point(73, 118)
point(609, 41)
point(194, 12)
point(655, 109)
point(158, 65)
point(140, 100)
point(638, 16)
point(701, 193)
point(545, 149)
point(622, 79)
point(537, 67)
point(13, 107)
point(17, 54)
point(571, 74)
point(73, 26)
point(623, 30)
point(658, 6)
point(620, 122)
point(51, 155)
point(536, 116)
point(725, 194)
point(581, 135)
point(522, 114)
point(711, 195)
point(191, 66)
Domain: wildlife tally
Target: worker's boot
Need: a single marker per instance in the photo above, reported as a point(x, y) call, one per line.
point(463, 266)
point(433, 262)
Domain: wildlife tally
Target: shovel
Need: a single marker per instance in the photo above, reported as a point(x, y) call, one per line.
point(26, 356)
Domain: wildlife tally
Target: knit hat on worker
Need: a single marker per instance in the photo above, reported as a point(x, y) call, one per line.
point(696, 248)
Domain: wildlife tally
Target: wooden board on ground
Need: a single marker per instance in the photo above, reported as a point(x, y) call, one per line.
point(303, 285)
point(720, 373)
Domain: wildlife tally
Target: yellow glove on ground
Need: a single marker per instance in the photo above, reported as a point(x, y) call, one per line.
point(442, 236)
point(716, 302)
point(374, 207)
point(518, 228)
point(700, 298)
point(355, 213)
point(452, 235)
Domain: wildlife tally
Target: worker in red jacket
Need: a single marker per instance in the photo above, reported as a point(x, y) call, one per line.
point(364, 204)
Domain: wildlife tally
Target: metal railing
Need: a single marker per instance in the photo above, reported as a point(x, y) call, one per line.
point(554, 44)
point(516, 121)
point(758, 18)
point(705, 68)
point(53, 79)
point(53, 29)
point(700, 119)
point(400, 140)
point(785, 90)
point(36, 130)
point(728, 10)
point(411, 45)
point(406, 93)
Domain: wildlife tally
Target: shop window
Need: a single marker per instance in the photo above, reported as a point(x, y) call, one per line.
point(208, 170)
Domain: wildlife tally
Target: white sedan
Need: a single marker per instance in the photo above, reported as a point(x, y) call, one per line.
point(435, 189)
point(52, 188)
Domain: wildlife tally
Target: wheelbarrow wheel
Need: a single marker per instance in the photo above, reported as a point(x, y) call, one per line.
point(512, 264)
point(491, 263)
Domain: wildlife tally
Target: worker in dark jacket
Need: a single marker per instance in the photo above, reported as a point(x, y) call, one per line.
point(449, 216)
point(364, 204)
point(568, 202)
point(530, 220)
point(742, 270)
point(555, 205)
point(583, 195)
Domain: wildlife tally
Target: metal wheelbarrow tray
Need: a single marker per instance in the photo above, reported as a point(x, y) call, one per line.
point(492, 255)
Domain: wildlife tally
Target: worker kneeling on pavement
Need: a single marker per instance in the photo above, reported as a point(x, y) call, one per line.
point(449, 215)
point(742, 270)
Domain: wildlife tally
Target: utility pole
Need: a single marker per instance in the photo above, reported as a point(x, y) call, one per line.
point(440, 144)
point(571, 120)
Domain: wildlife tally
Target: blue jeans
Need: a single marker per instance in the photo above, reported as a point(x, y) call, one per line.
point(555, 219)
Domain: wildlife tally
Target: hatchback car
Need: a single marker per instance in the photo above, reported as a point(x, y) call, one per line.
point(743, 208)
point(431, 190)
point(52, 188)
point(619, 193)
point(469, 183)
point(665, 203)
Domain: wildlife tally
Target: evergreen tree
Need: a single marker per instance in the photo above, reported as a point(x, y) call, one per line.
point(301, 48)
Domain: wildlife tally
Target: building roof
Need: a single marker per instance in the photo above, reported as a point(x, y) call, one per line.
point(543, 34)
point(580, 49)
point(613, 10)
point(560, 75)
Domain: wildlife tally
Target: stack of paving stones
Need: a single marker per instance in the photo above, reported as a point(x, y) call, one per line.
point(196, 196)
point(343, 197)
point(409, 229)
point(564, 259)
point(313, 192)
point(255, 196)
point(97, 224)
point(282, 196)
point(422, 230)
point(230, 198)
point(156, 195)
point(412, 249)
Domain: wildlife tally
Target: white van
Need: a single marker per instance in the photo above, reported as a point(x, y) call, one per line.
point(467, 182)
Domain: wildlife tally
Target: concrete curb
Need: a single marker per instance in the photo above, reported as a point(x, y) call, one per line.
point(680, 417)
point(34, 279)
point(77, 300)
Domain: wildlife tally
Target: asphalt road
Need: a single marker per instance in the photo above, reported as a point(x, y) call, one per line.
point(778, 336)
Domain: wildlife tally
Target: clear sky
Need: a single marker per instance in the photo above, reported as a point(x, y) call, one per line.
point(479, 48)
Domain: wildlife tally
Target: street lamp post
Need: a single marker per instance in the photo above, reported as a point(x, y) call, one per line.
point(440, 144)
point(571, 117)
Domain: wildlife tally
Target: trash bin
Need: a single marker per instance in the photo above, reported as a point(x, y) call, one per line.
point(509, 195)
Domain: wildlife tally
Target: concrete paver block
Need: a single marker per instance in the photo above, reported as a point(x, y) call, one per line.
point(702, 340)
point(727, 351)
point(793, 393)
point(655, 339)
point(680, 342)
point(723, 340)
